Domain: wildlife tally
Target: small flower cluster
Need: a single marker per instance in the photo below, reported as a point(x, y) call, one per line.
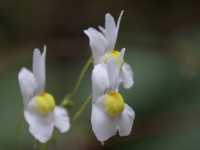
point(110, 114)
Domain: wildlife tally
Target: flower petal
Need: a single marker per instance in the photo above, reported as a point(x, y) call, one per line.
point(61, 119)
point(126, 121)
point(100, 80)
point(121, 57)
point(102, 29)
point(27, 84)
point(41, 127)
point(39, 69)
point(113, 73)
point(127, 76)
point(103, 126)
point(111, 30)
point(98, 43)
point(119, 20)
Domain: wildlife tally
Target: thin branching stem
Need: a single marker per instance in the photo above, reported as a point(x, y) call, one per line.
point(78, 82)
point(80, 78)
point(81, 109)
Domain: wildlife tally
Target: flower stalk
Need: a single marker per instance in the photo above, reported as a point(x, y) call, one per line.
point(68, 98)
point(82, 108)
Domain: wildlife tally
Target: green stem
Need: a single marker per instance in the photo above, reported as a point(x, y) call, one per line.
point(82, 74)
point(82, 108)
point(68, 97)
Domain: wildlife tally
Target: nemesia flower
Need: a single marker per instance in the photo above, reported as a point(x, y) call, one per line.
point(40, 110)
point(110, 114)
point(102, 44)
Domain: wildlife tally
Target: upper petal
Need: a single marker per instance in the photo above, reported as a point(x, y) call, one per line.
point(41, 127)
point(100, 80)
point(111, 29)
point(103, 126)
point(98, 43)
point(127, 75)
point(27, 84)
point(39, 68)
point(125, 122)
point(102, 29)
point(61, 119)
point(119, 20)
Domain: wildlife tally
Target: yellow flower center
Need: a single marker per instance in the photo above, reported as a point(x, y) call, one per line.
point(45, 103)
point(115, 54)
point(114, 103)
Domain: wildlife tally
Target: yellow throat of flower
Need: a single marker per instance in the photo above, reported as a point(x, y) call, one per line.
point(114, 103)
point(45, 103)
point(115, 54)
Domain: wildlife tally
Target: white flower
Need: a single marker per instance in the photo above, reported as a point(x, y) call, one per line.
point(103, 46)
point(110, 114)
point(40, 110)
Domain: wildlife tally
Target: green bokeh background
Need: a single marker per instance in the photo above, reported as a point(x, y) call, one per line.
point(162, 39)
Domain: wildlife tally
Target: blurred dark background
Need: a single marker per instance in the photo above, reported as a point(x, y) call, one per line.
point(163, 46)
